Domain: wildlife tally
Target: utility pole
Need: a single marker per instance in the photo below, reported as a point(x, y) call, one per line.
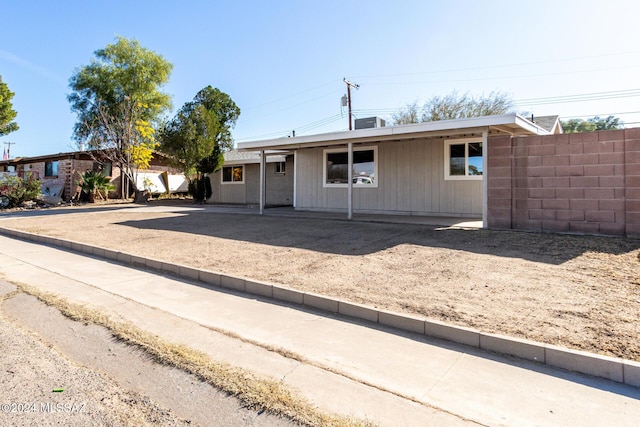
point(9, 144)
point(349, 86)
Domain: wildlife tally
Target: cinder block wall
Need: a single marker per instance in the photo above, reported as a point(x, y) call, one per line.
point(582, 183)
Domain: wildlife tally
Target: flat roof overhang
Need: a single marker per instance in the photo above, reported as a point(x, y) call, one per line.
point(507, 124)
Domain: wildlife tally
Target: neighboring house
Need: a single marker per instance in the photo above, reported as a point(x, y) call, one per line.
point(550, 123)
point(432, 168)
point(60, 173)
point(238, 181)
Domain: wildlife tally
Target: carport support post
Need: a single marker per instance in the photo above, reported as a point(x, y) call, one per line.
point(262, 180)
point(485, 179)
point(350, 180)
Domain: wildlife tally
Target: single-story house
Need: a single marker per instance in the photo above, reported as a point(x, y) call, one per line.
point(238, 181)
point(60, 173)
point(427, 169)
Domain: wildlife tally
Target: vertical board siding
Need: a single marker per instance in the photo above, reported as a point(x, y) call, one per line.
point(410, 180)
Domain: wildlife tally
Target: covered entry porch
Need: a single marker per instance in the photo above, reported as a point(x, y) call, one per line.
point(428, 169)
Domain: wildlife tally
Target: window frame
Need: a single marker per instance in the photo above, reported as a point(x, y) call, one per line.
point(57, 170)
point(326, 151)
point(280, 168)
point(447, 160)
point(232, 181)
point(101, 167)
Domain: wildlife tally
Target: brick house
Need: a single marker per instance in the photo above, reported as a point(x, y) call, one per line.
point(60, 173)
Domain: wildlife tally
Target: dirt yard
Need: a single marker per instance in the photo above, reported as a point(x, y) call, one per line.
point(576, 291)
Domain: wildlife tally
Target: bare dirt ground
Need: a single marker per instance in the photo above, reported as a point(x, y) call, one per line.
point(98, 380)
point(581, 292)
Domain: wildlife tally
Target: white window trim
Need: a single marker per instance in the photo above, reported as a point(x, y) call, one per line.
point(344, 150)
point(447, 158)
point(232, 182)
point(276, 166)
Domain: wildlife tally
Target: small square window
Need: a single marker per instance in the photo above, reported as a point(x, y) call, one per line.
point(233, 174)
point(102, 168)
point(51, 168)
point(463, 160)
point(280, 167)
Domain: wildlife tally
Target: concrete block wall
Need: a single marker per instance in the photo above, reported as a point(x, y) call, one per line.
point(582, 182)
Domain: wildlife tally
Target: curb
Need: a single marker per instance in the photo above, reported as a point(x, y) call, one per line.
point(611, 368)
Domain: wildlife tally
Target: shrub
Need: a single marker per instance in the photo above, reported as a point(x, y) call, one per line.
point(94, 183)
point(200, 189)
point(17, 190)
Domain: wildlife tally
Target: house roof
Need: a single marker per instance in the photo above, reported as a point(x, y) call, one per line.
point(510, 124)
point(550, 123)
point(43, 158)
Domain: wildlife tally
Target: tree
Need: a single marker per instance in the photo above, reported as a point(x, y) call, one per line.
point(118, 103)
point(198, 135)
point(408, 114)
point(593, 124)
point(454, 106)
point(7, 113)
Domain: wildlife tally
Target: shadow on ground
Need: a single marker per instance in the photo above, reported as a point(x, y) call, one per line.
point(361, 238)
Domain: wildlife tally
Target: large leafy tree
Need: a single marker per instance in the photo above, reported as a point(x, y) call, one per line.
point(593, 124)
point(454, 106)
point(7, 113)
point(200, 132)
point(118, 102)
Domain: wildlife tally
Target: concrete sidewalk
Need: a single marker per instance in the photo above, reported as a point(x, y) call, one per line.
point(353, 368)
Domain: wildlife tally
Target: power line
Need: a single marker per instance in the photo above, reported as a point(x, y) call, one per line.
point(580, 97)
point(490, 67)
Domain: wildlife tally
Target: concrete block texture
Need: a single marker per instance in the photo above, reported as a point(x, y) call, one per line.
point(189, 272)
point(585, 363)
point(406, 323)
point(288, 295)
point(320, 302)
point(523, 349)
point(358, 311)
point(631, 371)
point(458, 334)
point(231, 282)
point(210, 278)
point(258, 288)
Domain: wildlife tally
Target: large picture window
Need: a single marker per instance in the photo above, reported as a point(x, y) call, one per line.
point(51, 168)
point(232, 174)
point(463, 160)
point(365, 167)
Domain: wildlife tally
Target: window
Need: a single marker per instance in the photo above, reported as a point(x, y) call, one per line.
point(232, 174)
point(103, 168)
point(463, 160)
point(280, 167)
point(365, 167)
point(51, 168)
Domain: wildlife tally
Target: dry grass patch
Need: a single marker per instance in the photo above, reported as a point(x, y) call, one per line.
point(260, 394)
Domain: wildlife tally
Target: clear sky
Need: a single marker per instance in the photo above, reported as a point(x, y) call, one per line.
point(283, 61)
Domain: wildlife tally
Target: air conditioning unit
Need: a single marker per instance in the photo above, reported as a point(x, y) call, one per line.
point(369, 122)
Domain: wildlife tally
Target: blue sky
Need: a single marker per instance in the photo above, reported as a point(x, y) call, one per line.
point(283, 62)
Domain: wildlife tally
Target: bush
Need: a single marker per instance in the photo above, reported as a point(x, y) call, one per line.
point(200, 189)
point(95, 184)
point(17, 190)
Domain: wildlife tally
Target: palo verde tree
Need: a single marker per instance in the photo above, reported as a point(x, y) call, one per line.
point(198, 135)
point(7, 113)
point(454, 106)
point(118, 103)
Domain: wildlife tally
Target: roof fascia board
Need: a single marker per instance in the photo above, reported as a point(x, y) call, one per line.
point(521, 125)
